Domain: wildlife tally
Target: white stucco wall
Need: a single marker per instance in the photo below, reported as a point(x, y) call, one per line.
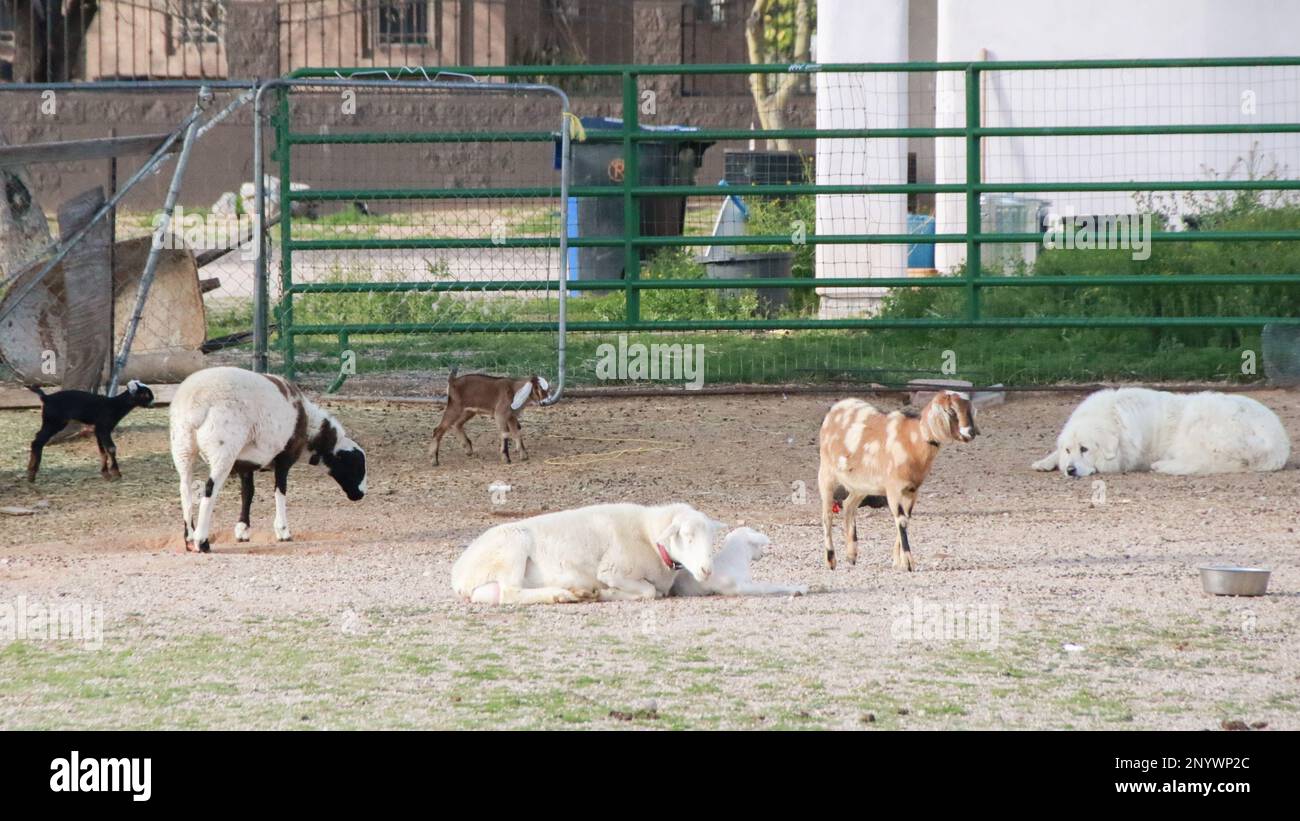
point(1115, 29)
point(860, 31)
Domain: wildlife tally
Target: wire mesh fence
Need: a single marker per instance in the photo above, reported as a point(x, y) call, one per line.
point(88, 201)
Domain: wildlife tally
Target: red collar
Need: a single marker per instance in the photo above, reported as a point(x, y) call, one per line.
point(667, 560)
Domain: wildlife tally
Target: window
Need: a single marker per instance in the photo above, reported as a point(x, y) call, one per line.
point(198, 21)
point(713, 31)
point(403, 21)
point(713, 11)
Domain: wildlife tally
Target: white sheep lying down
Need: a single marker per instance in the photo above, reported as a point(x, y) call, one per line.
point(612, 552)
point(242, 421)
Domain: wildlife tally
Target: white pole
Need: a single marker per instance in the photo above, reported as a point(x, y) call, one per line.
point(861, 31)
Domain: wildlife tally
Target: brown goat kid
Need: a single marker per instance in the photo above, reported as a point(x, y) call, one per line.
point(499, 396)
point(881, 459)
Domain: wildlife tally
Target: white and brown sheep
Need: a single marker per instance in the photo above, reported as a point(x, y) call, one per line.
point(880, 459)
point(242, 421)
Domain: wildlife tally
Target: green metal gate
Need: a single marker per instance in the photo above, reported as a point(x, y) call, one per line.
point(1187, 299)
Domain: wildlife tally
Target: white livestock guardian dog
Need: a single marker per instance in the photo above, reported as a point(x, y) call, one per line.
point(616, 552)
point(1136, 429)
point(730, 575)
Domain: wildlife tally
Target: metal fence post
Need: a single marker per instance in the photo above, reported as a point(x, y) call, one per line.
point(261, 289)
point(631, 205)
point(561, 342)
point(972, 193)
point(286, 256)
point(159, 239)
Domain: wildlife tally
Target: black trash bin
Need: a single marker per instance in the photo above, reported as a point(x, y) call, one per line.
point(667, 162)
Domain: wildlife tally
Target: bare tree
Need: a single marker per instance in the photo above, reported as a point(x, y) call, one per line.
point(777, 31)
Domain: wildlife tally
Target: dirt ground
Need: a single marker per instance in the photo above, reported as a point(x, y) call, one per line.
point(1038, 604)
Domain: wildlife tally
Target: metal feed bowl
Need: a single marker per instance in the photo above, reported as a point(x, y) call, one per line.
point(1231, 580)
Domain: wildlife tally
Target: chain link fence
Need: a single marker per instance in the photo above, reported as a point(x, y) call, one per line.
point(87, 172)
point(412, 229)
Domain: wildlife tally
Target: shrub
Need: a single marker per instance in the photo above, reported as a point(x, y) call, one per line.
point(1167, 259)
point(676, 304)
point(778, 216)
point(1099, 346)
point(423, 307)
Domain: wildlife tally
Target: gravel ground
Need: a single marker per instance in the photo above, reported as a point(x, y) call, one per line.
point(1037, 604)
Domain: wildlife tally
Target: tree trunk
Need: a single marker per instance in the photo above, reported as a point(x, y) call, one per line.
point(772, 92)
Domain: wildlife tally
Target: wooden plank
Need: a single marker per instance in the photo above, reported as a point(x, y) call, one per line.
point(88, 290)
point(16, 398)
point(72, 150)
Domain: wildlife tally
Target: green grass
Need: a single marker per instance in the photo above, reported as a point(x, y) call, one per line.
point(885, 357)
point(534, 222)
point(305, 673)
point(347, 222)
point(437, 668)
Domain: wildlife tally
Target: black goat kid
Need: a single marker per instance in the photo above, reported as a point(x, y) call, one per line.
point(60, 409)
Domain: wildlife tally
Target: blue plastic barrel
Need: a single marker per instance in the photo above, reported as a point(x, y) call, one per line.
point(920, 256)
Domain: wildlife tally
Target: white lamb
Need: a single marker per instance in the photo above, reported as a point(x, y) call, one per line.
point(242, 421)
point(730, 576)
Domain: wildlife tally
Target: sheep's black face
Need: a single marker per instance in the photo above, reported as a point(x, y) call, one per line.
point(348, 467)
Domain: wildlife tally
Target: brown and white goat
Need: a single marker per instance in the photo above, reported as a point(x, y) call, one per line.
point(499, 396)
point(881, 459)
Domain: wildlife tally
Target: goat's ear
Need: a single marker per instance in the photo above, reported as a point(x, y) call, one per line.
point(133, 386)
point(521, 396)
point(314, 460)
point(546, 386)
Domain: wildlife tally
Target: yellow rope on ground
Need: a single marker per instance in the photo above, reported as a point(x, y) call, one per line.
point(580, 459)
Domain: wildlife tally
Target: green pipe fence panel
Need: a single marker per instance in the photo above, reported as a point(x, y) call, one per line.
point(1040, 222)
point(392, 263)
